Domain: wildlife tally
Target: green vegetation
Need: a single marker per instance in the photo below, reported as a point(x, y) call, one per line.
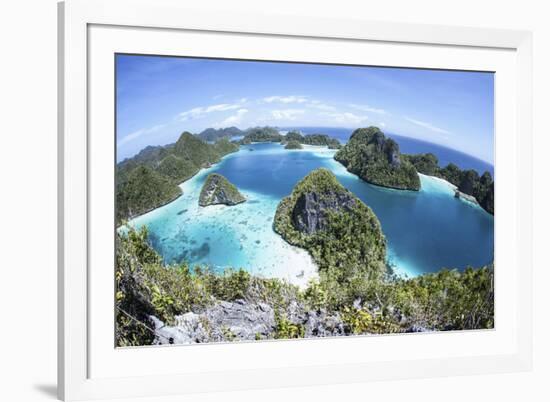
point(261, 134)
point(218, 190)
point(376, 159)
point(150, 179)
point(294, 136)
point(195, 150)
point(224, 146)
point(145, 288)
point(293, 144)
point(355, 293)
point(143, 190)
point(312, 139)
point(321, 140)
point(286, 329)
point(177, 169)
point(467, 181)
point(424, 163)
point(340, 232)
point(345, 240)
point(212, 134)
point(270, 134)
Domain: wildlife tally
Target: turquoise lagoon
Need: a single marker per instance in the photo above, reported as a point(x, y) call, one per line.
point(425, 230)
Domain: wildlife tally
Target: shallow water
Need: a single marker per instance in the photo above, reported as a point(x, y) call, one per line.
point(426, 230)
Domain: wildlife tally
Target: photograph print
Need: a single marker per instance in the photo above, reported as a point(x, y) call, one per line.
point(264, 200)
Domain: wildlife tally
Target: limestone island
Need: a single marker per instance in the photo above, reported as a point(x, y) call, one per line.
point(293, 144)
point(150, 179)
point(469, 185)
point(342, 234)
point(271, 134)
point(313, 139)
point(377, 160)
point(218, 190)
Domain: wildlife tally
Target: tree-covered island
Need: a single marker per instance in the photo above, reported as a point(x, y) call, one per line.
point(261, 134)
point(293, 144)
point(377, 160)
point(218, 190)
point(312, 139)
point(467, 182)
point(151, 178)
point(270, 134)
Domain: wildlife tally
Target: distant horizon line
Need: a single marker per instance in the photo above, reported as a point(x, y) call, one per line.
point(305, 126)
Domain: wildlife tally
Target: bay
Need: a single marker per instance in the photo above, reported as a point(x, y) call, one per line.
point(425, 230)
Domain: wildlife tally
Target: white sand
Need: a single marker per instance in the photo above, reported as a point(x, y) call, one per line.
point(298, 268)
point(443, 181)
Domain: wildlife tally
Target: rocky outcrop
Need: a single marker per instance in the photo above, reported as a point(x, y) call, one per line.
point(377, 160)
point(311, 210)
point(225, 321)
point(243, 321)
point(218, 190)
point(320, 213)
point(165, 304)
point(470, 198)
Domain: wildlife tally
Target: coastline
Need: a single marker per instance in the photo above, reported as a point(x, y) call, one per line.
point(290, 263)
point(299, 277)
point(179, 195)
point(466, 198)
point(443, 181)
point(152, 209)
point(293, 264)
point(379, 185)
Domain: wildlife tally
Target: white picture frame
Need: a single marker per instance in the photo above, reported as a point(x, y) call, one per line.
point(80, 377)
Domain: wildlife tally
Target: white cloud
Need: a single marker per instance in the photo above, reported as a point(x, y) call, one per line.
point(136, 134)
point(286, 114)
point(346, 117)
point(382, 124)
point(201, 111)
point(369, 109)
point(233, 119)
point(285, 99)
point(317, 104)
point(429, 126)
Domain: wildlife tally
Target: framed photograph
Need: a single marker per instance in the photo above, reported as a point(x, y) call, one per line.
point(254, 201)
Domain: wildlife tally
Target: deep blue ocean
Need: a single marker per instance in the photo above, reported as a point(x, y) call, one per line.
point(425, 230)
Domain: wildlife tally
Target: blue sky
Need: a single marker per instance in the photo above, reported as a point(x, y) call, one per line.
point(160, 97)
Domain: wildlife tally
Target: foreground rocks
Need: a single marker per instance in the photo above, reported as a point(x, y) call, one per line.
point(243, 321)
point(224, 321)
